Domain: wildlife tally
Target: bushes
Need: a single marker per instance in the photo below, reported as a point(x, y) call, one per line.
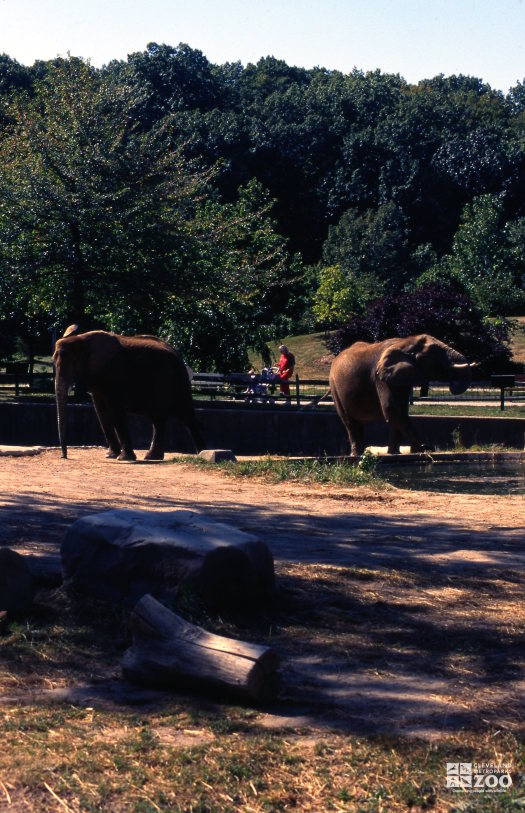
point(441, 309)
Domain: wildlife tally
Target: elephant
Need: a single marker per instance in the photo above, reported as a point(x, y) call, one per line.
point(371, 382)
point(142, 375)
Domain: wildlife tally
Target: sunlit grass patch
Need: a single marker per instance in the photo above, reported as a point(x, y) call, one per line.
point(96, 760)
point(303, 470)
point(512, 410)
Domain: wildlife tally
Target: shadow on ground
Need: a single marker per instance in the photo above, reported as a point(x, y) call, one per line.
point(402, 624)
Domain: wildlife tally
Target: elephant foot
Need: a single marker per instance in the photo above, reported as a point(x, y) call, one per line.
point(112, 454)
point(127, 456)
point(154, 454)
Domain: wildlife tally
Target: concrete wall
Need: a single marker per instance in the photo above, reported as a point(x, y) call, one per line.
point(251, 431)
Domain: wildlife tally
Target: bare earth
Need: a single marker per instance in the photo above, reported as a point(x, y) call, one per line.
point(394, 610)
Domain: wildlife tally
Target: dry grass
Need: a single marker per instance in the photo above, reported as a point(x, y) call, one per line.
point(193, 756)
point(518, 340)
point(89, 760)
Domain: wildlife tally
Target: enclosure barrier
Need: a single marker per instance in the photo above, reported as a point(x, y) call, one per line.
point(252, 430)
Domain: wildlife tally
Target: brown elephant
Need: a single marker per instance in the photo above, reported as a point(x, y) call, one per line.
point(371, 382)
point(142, 375)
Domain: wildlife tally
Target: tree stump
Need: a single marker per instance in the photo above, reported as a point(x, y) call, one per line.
point(169, 652)
point(123, 554)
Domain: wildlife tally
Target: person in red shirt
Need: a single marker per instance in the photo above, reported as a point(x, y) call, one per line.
point(286, 368)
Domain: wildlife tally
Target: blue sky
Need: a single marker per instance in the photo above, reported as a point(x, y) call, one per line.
point(415, 38)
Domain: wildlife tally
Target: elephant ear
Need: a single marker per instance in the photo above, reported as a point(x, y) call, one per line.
point(398, 369)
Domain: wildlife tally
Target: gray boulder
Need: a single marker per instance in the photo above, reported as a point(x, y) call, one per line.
point(16, 583)
point(123, 554)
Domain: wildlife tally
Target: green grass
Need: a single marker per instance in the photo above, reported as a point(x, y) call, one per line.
point(278, 470)
point(456, 410)
point(97, 760)
point(313, 358)
point(309, 352)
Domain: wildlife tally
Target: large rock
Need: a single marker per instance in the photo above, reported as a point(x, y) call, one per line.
point(121, 555)
point(16, 583)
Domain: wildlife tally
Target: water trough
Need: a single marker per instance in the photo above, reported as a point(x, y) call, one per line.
point(456, 472)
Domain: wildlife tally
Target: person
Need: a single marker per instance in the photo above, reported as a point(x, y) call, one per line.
point(286, 368)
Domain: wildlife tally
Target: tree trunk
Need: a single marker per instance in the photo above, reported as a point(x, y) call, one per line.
point(169, 652)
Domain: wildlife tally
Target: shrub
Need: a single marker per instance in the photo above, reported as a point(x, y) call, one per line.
point(441, 309)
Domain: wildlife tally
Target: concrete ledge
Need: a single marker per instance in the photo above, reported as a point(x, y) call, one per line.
point(437, 458)
point(20, 451)
point(217, 455)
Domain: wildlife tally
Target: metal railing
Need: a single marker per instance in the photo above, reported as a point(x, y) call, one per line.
point(316, 392)
point(16, 378)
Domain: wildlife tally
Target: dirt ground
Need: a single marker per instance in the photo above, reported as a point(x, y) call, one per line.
point(394, 610)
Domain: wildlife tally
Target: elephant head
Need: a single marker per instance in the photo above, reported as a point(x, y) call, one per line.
point(418, 359)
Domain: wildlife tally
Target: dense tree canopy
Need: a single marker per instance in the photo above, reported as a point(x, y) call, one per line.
point(104, 224)
point(220, 204)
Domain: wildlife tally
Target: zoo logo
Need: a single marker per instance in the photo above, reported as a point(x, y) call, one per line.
point(478, 777)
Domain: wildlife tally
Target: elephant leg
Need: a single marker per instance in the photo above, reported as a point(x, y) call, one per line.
point(106, 422)
point(156, 450)
point(356, 436)
point(354, 428)
point(400, 429)
point(394, 440)
point(122, 430)
point(394, 404)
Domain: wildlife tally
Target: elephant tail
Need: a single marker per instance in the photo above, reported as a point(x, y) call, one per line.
point(338, 403)
point(196, 433)
point(186, 413)
point(323, 396)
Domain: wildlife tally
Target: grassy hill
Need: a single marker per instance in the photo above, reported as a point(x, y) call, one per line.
point(518, 341)
point(312, 359)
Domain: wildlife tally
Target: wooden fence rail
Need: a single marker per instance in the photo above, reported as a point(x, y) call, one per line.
point(19, 378)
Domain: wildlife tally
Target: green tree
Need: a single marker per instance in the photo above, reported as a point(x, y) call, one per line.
point(107, 225)
point(238, 269)
point(85, 202)
point(487, 257)
point(342, 294)
point(374, 242)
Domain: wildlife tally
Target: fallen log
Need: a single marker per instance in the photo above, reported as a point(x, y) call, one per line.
point(169, 652)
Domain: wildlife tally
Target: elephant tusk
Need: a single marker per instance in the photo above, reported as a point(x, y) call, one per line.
point(465, 366)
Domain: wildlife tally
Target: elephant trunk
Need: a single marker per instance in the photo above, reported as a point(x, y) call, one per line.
point(460, 374)
point(61, 392)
